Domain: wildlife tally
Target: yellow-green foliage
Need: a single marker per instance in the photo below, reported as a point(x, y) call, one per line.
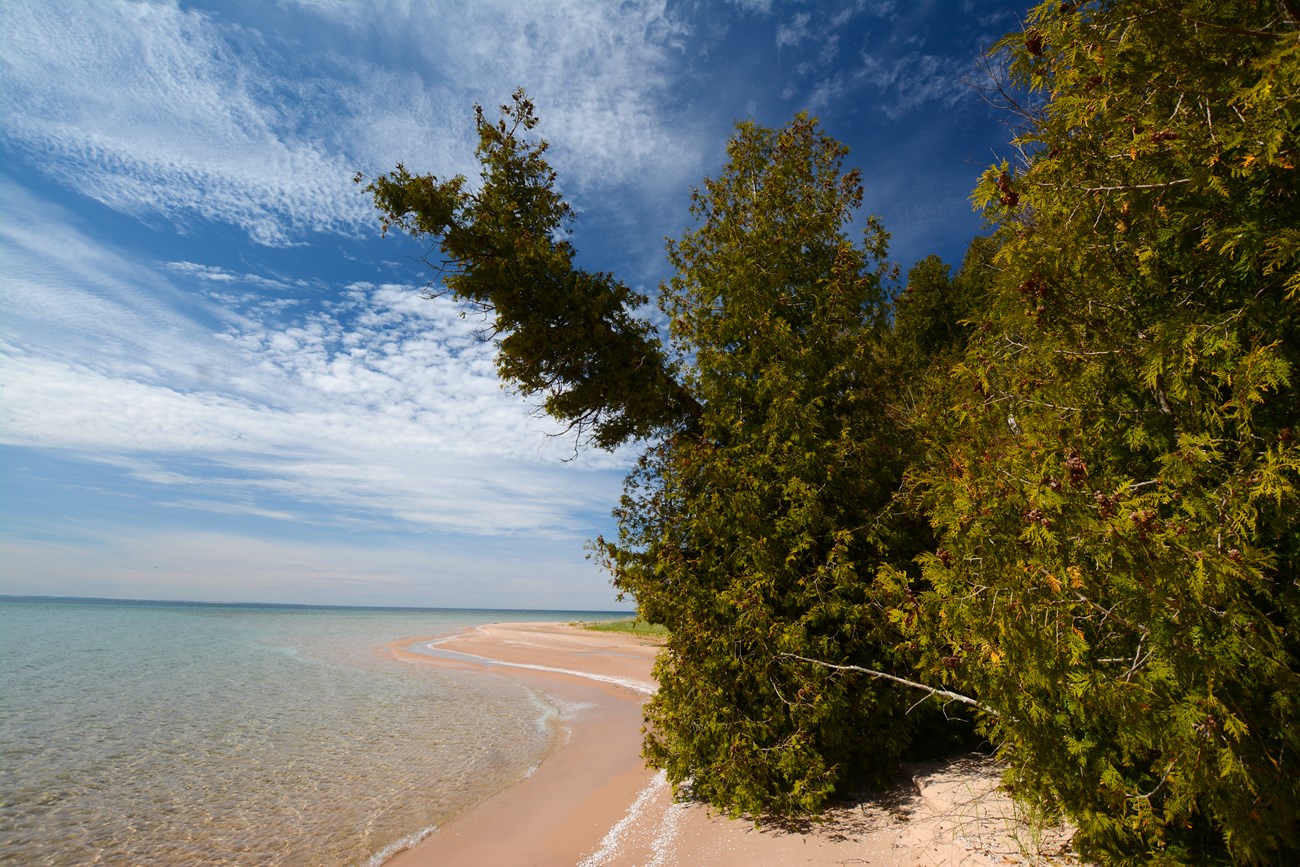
point(1114, 476)
point(629, 627)
point(756, 535)
point(1090, 432)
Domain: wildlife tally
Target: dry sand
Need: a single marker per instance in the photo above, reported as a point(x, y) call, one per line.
point(592, 802)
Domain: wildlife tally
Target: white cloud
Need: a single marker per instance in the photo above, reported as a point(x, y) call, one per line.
point(894, 74)
point(916, 79)
point(761, 7)
point(378, 404)
point(157, 109)
point(150, 108)
point(794, 32)
point(601, 74)
point(467, 463)
point(63, 290)
point(900, 85)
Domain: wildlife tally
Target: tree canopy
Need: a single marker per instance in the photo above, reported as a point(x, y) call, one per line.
point(1114, 485)
point(1058, 488)
point(754, 539)
point(565, 333)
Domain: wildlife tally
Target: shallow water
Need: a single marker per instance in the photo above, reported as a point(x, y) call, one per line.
point(209, 734)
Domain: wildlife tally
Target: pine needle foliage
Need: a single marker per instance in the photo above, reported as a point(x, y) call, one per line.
point(1115, 485)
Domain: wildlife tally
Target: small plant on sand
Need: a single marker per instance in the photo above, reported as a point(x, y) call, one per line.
point(629, 627)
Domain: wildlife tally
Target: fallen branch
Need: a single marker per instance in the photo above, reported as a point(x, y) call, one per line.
point(913, 684)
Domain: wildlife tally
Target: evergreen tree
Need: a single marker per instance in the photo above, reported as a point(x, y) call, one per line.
point(755, 539)
point(926, 321)
point(761, 508)
point(932, 324)
point(933, 319)
point(1109, 468)
point(562, 332)
point(1115, 487)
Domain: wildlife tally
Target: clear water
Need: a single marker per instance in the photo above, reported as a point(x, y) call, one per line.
point(172, 733)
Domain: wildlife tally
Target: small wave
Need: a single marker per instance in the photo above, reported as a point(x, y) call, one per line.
point(399, 845)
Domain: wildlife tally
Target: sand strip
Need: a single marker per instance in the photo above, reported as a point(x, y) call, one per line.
point(593, 803)
point(566, 808)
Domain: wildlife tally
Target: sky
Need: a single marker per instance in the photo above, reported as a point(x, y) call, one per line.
point(219, 383)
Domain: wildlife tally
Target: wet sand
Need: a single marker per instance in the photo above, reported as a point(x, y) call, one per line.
point(592, 802)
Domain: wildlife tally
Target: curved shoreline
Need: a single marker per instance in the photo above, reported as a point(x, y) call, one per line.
point(592, 802)
point(645, 687)
point(582, 788)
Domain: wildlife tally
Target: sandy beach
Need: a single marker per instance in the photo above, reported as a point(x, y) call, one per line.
point(592, 802)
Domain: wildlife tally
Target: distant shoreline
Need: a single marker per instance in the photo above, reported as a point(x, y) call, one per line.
point(560, 613)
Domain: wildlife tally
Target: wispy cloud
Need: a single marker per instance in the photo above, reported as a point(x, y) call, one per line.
point(762, 7)
point(894, 73)
point(380, 403)
point(163, 110)
point(896, 85)
point(602, 74)
point(794, 31)
point(159, 109)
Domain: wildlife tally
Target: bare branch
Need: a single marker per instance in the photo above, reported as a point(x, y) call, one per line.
point(965, 699)
point(1123, 187)
point(1109, 614)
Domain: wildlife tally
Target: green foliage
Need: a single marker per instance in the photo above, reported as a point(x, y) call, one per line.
point(760, 536)
point(637, 627)
point(761, 509)
point(932, 315)
point(1114, 481)
point(1090, 431)
point(562, 332)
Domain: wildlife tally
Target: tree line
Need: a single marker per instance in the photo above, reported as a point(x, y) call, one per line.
point(1048, 501)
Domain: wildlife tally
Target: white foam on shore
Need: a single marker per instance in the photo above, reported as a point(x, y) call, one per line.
point(662, 846)
point(625, 682)
point(610, 843)
point(399, 845)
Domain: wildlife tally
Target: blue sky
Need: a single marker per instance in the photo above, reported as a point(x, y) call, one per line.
point(218, 383)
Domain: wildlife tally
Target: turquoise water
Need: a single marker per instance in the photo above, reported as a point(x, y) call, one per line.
point(174, 733)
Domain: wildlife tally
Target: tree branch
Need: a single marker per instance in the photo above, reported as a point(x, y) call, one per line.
point(965, 699)
point(1136, 186)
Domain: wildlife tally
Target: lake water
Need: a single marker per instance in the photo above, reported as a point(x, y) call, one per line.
point(183, 733)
